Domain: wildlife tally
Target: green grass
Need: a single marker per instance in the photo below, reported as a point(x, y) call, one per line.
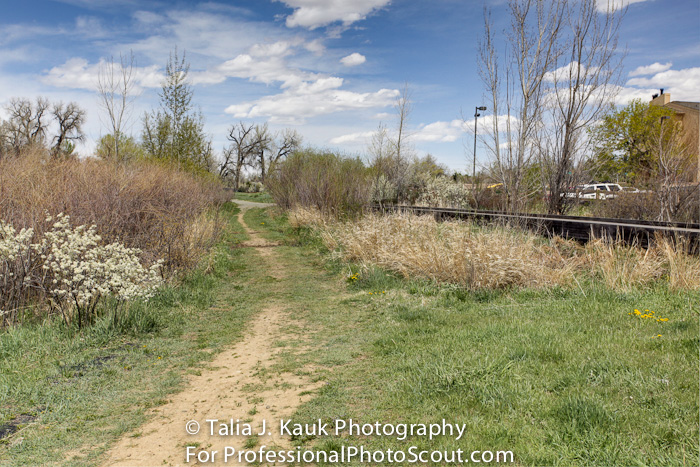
point(87, 388)
point(555, 376)
point(261, 197)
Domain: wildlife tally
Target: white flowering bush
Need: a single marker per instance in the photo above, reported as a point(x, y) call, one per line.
point(77, 270)
point(17, 262)
point(82, 271)
point(383, 189)
point(444, 192)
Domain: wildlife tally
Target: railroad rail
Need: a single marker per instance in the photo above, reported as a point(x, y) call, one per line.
point(575, 227)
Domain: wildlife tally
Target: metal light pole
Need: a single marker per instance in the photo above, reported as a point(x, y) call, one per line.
point(476, 117)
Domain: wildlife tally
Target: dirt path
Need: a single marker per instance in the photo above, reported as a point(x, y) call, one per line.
point(239, 385)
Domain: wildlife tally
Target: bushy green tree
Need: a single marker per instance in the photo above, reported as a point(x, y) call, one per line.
point(627, 139)
point(129, 149)
point(175, 132)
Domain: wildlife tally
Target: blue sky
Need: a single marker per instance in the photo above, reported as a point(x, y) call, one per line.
point(331, 69)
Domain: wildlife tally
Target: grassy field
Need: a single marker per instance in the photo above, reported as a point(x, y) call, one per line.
point(558, 377)
point(261, 197)
point(62, 390)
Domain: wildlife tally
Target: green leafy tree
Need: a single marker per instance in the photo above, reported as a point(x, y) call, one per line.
point(175, 132)
point(127, 147)
point(626, 142)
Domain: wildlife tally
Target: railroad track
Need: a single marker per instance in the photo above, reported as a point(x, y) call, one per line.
point(575, 227)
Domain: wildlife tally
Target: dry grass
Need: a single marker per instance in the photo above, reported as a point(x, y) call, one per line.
point(449, 252)
point(624, 267)
point(495, 257)
point(307, 217)
point(152, 207)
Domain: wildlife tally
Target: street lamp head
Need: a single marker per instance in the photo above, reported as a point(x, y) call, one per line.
point(481, 108)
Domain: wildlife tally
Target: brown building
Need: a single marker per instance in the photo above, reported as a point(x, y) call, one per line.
point(688, 113)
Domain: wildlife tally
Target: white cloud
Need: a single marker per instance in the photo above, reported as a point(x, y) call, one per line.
point(312, 14)
point(683, 85)
point(362, 137)
point(444, 132)
point(315, 46)
point(650, 69)
point(263, 63)
point(310, 99)
point(449, 132)
point(569, 72)
point(77, 73)
point(24, 32)
point(204, 35)
point(148, 18)
point(353, 59)
point(627, 94)
point(606, 5)
point(90, 26)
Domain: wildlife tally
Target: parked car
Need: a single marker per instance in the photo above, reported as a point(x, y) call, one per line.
point(594, 191)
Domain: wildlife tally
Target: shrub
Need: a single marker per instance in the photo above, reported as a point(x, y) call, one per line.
point(329, 182)
point(77, 270)
point(647, 206)
point(152, 207)
point(18, 264)
point(444, 192)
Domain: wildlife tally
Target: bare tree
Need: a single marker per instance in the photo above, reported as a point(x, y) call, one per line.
point(582, 85)
point(514, 87)
point(27, 124)
point(240, 152)
point(401, 156)
point(673, 169)
point(285, 143)
point(263, 144)
point(70, 120)
point(5, 147)
point(115, 87)
point(256, 147)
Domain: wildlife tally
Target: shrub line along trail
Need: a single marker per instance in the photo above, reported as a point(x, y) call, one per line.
point(237, 385)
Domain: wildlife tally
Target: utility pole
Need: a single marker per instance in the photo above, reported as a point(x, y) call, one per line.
point(476, 117)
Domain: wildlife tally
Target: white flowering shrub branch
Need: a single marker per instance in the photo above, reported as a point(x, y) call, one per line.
point(444, 192)
point(77, 270)
point(17, 263)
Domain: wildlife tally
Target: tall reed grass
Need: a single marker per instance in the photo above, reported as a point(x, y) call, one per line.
point(492, 257)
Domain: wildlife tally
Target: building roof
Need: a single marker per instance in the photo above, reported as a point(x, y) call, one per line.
point(692, 105)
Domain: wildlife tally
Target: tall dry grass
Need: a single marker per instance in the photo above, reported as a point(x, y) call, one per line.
point(449, 252)
point(152, 207)
point(624, 267)
point(479, 257)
